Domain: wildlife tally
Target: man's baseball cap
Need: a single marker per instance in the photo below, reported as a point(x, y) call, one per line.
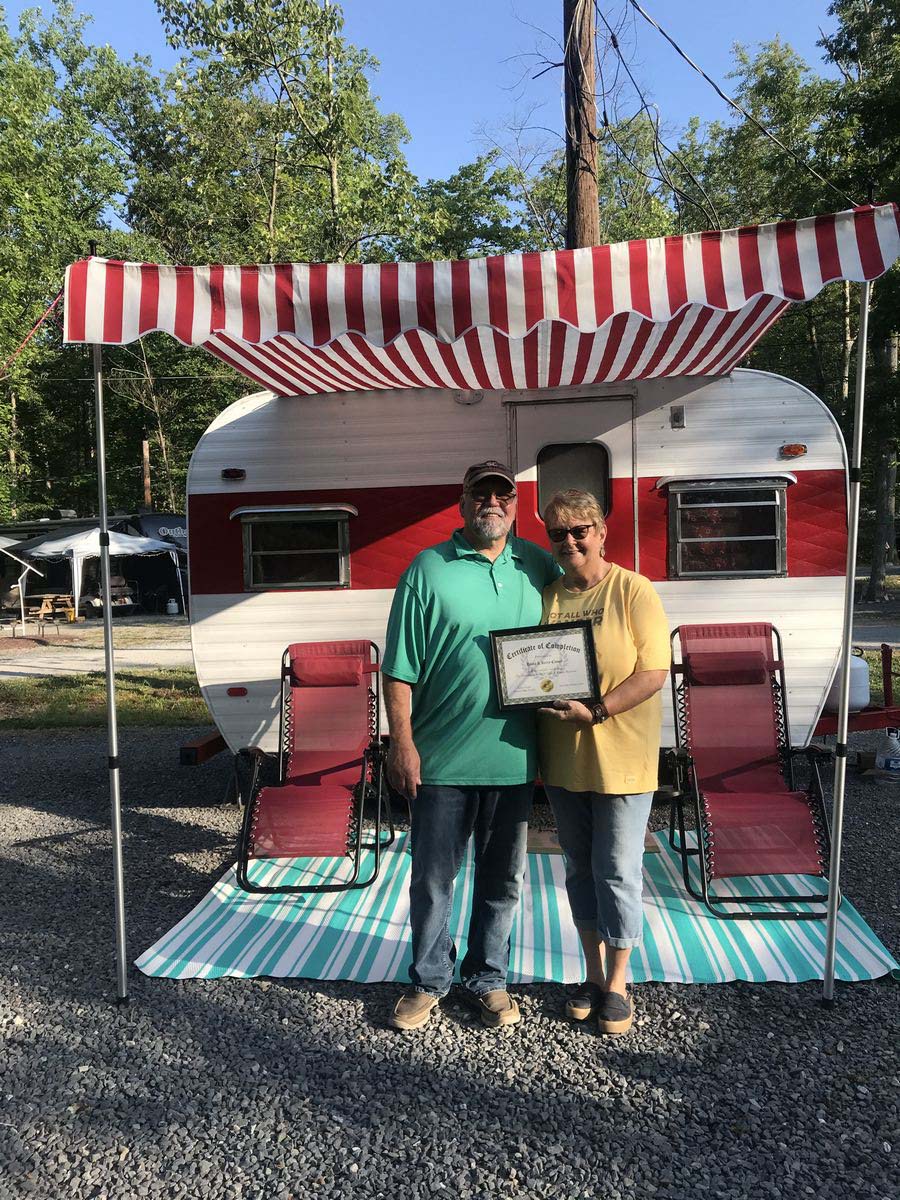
point(492, 469)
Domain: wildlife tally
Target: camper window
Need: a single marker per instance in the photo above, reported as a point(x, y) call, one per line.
point(583, 465)
point(296, 548)
point(730, 527)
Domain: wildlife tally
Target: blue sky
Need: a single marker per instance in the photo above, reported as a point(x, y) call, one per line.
point(455, 69)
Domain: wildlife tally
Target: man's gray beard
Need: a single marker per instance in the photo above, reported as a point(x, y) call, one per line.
point(490, 528)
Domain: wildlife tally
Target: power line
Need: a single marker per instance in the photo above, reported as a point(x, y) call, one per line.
point(738, 108)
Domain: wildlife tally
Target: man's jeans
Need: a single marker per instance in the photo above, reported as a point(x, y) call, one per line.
point(443, 820)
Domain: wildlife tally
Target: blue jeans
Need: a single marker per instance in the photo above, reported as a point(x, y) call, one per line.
point(603, 839)
point(443, 820)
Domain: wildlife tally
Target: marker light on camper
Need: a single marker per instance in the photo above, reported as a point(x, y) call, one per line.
point(792, 449)
point(234, 473)
point(237, 691)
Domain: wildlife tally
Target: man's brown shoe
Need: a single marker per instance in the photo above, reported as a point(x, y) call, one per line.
point(495, 1008)
point(413, 1010)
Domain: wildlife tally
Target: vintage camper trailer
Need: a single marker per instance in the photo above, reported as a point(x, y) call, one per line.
point(728, 492)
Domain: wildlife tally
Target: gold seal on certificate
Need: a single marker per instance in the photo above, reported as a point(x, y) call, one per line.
point(544, 663)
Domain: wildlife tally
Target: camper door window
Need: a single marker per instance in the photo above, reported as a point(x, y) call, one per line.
point(583, 465)
point(727, 527)
point(296, 550)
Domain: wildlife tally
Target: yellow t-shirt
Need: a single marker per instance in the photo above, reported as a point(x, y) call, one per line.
point(631, 633)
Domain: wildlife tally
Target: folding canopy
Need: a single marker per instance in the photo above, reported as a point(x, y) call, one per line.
point(691, 305)
point(85, 543)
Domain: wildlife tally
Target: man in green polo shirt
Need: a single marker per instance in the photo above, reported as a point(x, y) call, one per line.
point(467, 768)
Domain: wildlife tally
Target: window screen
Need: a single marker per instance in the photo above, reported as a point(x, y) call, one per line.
point(294, 549)
point(727, 527)
point(583, 465)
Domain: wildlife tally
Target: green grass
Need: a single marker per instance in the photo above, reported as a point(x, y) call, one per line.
point(873, 658)
point(62, 701)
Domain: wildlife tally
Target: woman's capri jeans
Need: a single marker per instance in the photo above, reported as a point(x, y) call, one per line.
point(602, 836)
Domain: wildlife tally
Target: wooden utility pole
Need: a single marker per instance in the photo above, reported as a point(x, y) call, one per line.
point(583, 207)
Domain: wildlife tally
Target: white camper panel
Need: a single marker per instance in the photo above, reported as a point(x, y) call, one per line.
point(733, 426)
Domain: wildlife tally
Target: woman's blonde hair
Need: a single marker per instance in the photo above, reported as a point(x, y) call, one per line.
point(574, 505)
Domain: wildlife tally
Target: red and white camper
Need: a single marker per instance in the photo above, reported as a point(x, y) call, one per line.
point(728, 492)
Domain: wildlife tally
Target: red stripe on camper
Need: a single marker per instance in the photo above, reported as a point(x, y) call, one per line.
point(112, 302)
point(662, 348)
point(637, 349)
point(531, 346)
point(76, 301)
point(504, 360)
point(149, 309)
point(582, 357)
point(472, 342)
point(353, 297)
point(616, 327)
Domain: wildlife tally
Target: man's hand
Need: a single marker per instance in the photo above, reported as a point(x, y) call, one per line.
point(403, 768)
point(569, 710)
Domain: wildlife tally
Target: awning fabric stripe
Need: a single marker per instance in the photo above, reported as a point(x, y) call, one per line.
point(691, 305)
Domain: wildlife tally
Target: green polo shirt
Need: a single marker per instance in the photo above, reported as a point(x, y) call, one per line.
point(446, 602)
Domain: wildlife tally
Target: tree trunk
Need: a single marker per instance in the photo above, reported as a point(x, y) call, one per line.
point(883, 544)
point(11, 453)
point(582, 208)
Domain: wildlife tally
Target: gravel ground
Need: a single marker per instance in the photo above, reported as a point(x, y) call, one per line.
point(293, 1089)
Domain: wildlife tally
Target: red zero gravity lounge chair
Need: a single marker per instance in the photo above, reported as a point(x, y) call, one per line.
point(330, 760)
point(735, 762)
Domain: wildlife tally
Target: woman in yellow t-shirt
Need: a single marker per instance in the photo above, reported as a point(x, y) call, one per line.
point(599, 761)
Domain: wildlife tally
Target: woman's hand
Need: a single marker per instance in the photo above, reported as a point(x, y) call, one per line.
point(569, 710)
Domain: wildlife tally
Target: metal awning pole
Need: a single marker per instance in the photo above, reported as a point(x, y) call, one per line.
point(840, 752)
point(112, 725)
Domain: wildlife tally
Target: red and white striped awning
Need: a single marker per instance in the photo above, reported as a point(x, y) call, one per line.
point(691, 305)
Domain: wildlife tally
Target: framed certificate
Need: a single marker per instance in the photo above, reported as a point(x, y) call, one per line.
point(543, 663)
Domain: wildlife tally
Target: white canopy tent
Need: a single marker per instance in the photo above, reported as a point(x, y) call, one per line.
point(86, 543)
point(692, 305)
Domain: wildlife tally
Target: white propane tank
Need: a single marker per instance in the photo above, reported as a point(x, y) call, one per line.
point(887, 757)
point(172, 608)
point(859, 685)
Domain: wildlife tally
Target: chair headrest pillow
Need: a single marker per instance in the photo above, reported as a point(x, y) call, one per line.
point(330, 671)
point(734, 668)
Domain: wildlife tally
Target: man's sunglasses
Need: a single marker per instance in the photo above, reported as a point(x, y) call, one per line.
point(480, 495)
point(577, 531)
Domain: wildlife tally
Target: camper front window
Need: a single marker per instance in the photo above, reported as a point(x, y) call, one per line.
point(296, 549)
point(727, 527)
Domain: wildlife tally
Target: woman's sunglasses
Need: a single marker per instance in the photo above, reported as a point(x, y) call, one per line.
point(577, 531)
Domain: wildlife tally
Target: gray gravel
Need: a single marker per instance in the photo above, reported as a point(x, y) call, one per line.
point(291, 1089)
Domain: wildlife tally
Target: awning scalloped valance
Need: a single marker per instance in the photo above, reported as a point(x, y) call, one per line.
point(689, 305)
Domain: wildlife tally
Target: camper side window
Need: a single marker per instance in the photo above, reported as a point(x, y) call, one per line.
point(294, 549)
point(727, 527)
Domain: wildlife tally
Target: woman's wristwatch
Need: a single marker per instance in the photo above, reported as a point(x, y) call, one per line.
point(598, 713)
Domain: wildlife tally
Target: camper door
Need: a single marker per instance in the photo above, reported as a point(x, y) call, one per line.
point(584, 444)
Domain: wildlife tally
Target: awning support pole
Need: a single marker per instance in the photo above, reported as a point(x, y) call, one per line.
point(840, 760)
point(112, 724)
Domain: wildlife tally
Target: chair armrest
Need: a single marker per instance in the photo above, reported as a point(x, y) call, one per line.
point(679, 757)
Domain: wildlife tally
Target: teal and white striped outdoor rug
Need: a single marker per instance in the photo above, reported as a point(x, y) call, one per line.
point(364, 935)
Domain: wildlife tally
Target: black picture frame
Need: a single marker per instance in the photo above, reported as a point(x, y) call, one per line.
point(501, 638)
